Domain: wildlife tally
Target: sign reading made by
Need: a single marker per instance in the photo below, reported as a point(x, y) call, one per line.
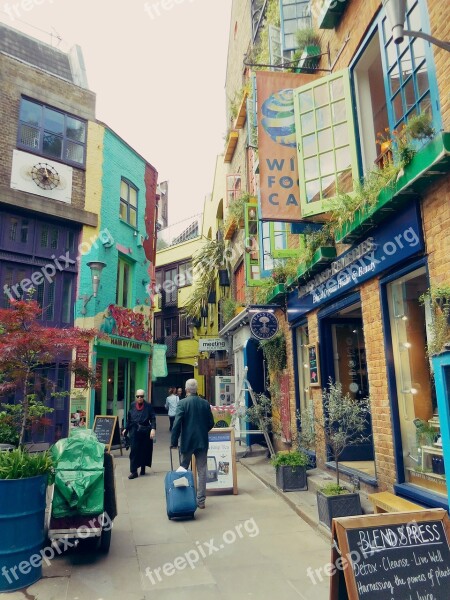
point(211, 344)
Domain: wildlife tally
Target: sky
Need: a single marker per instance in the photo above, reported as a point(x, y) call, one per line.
point(158, 70)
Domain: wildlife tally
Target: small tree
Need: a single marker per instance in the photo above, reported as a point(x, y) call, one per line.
point(26, 345)
point(343, 422)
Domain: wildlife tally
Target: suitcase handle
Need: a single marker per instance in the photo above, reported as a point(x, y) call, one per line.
point(171, 460)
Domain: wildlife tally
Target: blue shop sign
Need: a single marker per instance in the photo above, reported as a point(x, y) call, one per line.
point(263, 325)
point(398, 239)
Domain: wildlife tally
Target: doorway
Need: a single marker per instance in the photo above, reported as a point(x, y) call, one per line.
point(344, 361)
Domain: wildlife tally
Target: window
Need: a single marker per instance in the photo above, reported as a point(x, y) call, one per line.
point(234, 190)
point(185, 274)
point(123, 295)
point(183, 328)
point(326, 141)
point(52, 133)
point(417, 407)
point(303, 368)
point(295, 15)
point(128, 203)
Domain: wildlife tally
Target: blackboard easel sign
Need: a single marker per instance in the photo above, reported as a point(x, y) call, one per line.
point(313, 370)
point(391, 556)
point(106, 428)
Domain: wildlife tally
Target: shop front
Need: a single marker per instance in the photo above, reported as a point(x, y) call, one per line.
point(365, 311)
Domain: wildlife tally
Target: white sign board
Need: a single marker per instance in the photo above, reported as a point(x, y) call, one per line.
point(211, 344)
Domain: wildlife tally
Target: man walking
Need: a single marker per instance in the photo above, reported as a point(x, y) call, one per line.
point(193, 420)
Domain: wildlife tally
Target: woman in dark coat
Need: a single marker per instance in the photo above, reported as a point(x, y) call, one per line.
point(141, 429)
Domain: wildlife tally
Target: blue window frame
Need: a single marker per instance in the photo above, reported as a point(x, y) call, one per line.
point(51, 132)
point(410, 76)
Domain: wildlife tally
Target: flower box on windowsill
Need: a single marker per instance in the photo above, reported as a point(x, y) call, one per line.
point(309, 60)
point(276, 294)
point(430, 163)
point(231, 146)
point(321, 257)
point(242, 113)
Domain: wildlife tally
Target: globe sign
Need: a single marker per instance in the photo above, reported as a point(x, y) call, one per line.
point(263, 325)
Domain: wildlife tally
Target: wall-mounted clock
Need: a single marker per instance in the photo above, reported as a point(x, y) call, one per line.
point(45, 176)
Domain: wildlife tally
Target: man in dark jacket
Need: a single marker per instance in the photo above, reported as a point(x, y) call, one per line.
point(193, 420)
point(140, 430)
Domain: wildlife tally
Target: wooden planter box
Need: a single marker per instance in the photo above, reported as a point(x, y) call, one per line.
point(332, 507)
point(291, 479)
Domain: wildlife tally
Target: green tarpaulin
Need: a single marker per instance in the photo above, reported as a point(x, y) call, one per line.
point(79, 477)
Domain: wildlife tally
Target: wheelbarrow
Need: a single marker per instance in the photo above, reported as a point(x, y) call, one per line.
point(84, 499)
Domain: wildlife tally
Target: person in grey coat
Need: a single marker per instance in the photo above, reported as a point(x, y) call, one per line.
point(193, 420)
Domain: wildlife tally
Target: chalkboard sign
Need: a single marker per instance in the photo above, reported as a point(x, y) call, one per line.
point(313, 372)
point(106, 428)
point(392, 556)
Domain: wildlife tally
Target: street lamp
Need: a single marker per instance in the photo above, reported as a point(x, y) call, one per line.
point(396, 14)
point(96, 267)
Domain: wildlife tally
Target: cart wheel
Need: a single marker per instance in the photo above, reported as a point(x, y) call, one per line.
point(105, 540)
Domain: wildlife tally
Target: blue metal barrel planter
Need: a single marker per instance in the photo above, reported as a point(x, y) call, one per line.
point(22, 519)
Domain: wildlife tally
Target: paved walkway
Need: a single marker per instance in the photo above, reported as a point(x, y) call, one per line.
point(252, 545)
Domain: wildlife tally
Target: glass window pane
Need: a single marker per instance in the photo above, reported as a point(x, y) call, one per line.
point(345, 181)
point(406, 65)
point(75, 129)
point(338, 110)
point(124, 190)
point(13, 223)
point(323, 117)
point(305, 101)
point(410, 96)
point(311, 168)
point(307, 122)
point(414, 19)
point(52, 145)
point(289, 12)
point(328, 185)
point(391, 51)
point(398, 107)
point(341, 134)
point(29, 136)
point(423, 83)
point(418, 50)
point(394, 79)
point(326, 163)
point(30, 113)
point(321, 95)
point(66, 300)
point(313, 190)
point(133, 197)
point(123, 211)
point(343, 158)
point(337, 89)
point(53, 121)
point(74, 152)
point(133, 218)
point(325, 140)
point(309, 145)
point(24, 231)
point(53, 238)
point(126, 284)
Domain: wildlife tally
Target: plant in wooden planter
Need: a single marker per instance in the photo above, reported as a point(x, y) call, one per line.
point(291, 470)
point(342, 424)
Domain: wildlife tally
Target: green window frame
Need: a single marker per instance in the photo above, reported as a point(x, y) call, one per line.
point(326, 142)
point(128, 202)
point(124, 283)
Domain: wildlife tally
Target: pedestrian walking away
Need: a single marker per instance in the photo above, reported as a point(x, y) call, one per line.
point(171, 406)
point(193, 420)
point(140, 430)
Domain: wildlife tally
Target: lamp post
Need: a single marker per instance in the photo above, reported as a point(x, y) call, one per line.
point(396, 14)
point(96, 267)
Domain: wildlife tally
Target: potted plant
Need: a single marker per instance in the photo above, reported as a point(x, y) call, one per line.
point(291, 470)
point(308, 50)
point(342, 424)
point(419, 127)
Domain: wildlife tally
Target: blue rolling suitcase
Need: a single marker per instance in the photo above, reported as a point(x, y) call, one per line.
point(181, 501)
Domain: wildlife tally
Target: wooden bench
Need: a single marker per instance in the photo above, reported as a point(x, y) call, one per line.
point(385, 502)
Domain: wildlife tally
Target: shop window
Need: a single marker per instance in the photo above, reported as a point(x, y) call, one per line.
point(303, 368)
point(417, 407)
point(185, 274)
point(123, 296)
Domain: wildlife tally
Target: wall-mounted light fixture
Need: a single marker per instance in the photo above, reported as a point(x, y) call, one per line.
point(96, 268)
point(396, 15)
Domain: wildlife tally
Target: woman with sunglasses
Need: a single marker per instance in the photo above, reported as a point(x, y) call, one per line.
point(140, 429)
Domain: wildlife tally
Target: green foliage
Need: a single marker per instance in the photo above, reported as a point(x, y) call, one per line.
point(419, 127)
point(306, 37)
point(425, 433)
point(274, 351)
point(236, 210)
point(438, 299)
point(12, 415)
point(19, 464)
point(260, 53)
point(229, 306)
point(260, 414)
point(295, 458)
point(334, 489)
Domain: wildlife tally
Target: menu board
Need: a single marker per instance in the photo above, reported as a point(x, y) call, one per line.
point(106, 428)
point(392, 556)
point(221, 473)
point(313, 372)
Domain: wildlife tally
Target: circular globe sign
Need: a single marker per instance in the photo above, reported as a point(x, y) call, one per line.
point(263, 325)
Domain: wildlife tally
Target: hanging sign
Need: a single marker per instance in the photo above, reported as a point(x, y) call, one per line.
point(211, 344)
point(263, 325)
point(277, 145)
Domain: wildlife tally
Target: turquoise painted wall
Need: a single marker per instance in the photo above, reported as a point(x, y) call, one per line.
point(118, 161)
